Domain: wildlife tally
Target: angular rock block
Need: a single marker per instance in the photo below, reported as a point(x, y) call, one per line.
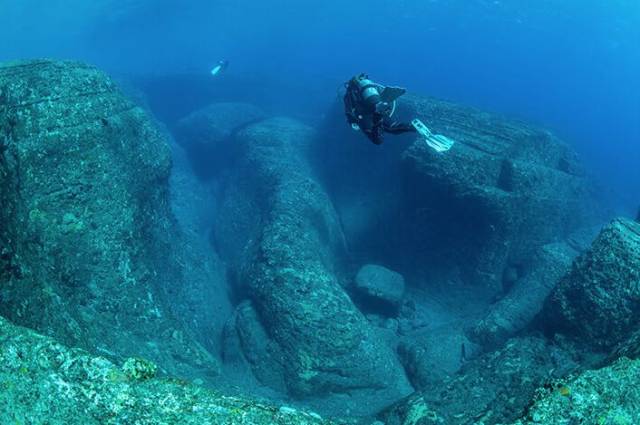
point(207, 135)
point(285, 251)
point(87, 227)
point(495, 388)
point(598, 301)
point(504, 190)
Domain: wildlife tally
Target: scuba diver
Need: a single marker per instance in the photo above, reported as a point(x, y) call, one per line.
point(370, 107)
point(220, 67)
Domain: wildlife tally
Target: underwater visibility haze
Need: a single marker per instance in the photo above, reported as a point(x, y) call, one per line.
point(292, 212)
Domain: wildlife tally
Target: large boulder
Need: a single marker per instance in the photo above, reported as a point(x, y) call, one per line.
point(207, 134)
point(492, 389)
point(43, 381)
point(598, 301)
point(504, 190)
point(282, 237)
point(88, 230)
point(377, 286)
point(435, 354)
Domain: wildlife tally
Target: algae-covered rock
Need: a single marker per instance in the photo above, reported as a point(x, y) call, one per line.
point(503, 191)
point(527, 296)
point(610, 395)
point(434, 355)
point(88, 227)
point(598, 301)
point(206, 134)
point(285, 251)
point(137, 368)
point(494, 388)
point(42, 381)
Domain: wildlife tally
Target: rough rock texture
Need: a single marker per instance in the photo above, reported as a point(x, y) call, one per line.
point(42, 381)
point(494, 388)
point(248, 347)
point(87, 228)
point(504, 190)
point(598, 301)
point(526, 298)
point(206, 134)
point(434, 355)
point(282, 236)
point(379, 285)
point(606, 396)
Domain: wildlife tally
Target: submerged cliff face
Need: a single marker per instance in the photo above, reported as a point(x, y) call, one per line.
point(504, 190)
point(88, 228)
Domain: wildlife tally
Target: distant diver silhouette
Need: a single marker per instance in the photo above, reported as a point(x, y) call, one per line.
point(220, 67)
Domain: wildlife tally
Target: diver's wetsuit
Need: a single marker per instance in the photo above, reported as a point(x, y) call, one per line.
point(371, 119)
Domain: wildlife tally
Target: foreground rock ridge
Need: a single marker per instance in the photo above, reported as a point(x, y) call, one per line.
point(42, 381)
point(87, 226)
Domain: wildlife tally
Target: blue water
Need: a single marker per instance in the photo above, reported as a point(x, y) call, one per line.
point(569, 65)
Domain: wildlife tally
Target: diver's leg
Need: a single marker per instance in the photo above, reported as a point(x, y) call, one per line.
point(376, 135)
point(399, 127)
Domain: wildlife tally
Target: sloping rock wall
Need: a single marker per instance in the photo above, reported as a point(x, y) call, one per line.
point(89, 228)
point(207, 135)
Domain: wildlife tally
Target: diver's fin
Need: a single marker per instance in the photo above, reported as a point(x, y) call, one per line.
point(391, 94)
point(437, 142)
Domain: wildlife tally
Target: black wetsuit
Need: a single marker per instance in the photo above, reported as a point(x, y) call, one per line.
point(363, 113)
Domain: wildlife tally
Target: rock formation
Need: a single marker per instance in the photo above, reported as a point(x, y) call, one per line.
point(495, 388)
point(206, 135)
point(87, 228)
point(605, 396)
point(379, 286)
point(282, 237)
point(45, 382)
point(526, 298)
point(598, 301)
point(504, 190)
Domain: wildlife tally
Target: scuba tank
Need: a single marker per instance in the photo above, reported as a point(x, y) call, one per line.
point(368, 91)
